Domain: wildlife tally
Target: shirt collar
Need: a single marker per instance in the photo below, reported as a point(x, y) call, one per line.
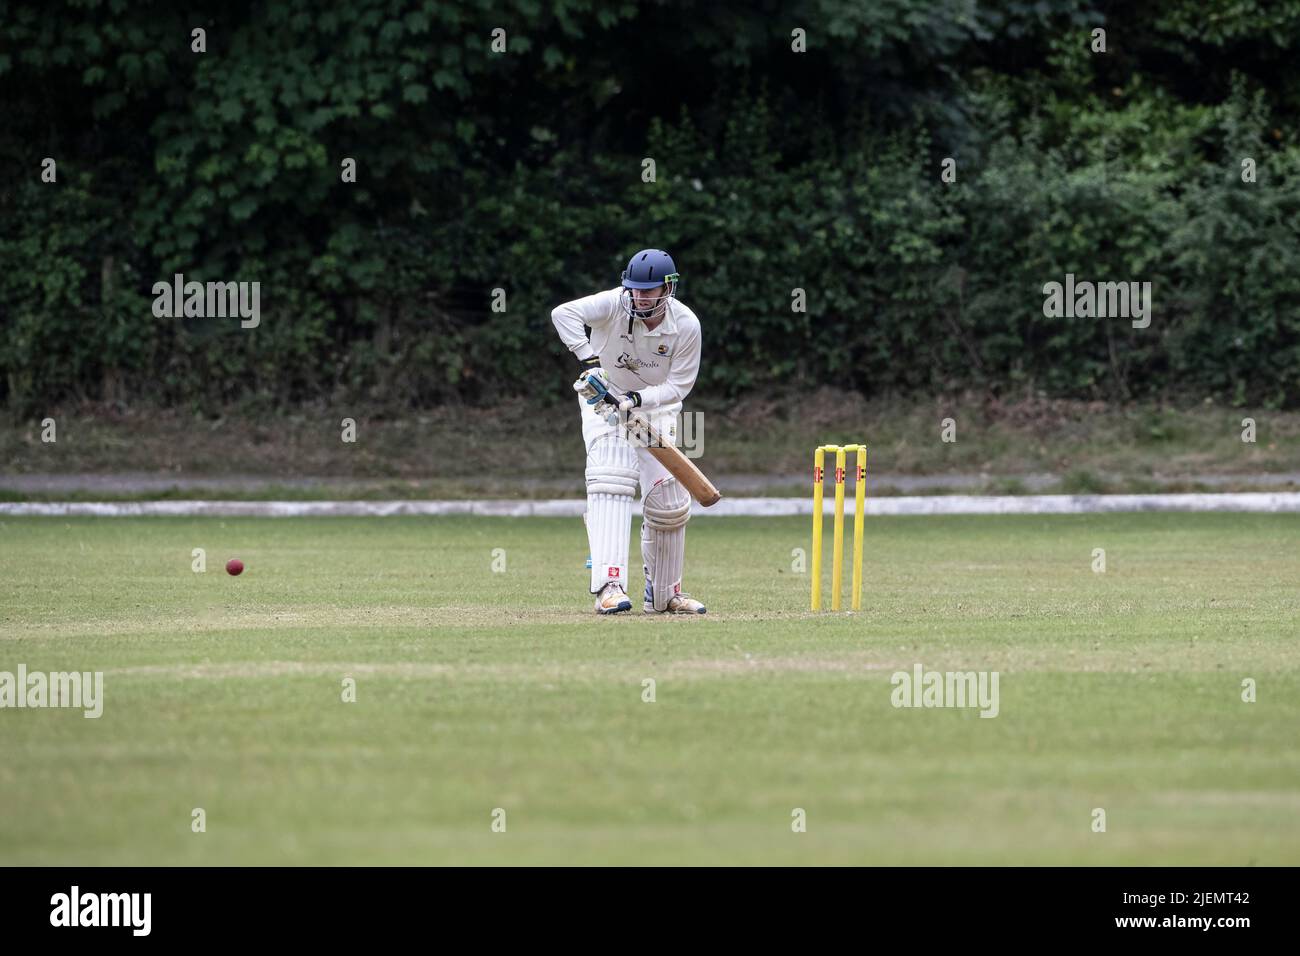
point(667, 327)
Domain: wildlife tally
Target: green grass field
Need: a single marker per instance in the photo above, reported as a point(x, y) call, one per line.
point(479, 690)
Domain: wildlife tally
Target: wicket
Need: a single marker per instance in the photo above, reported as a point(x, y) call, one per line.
point(860, 495)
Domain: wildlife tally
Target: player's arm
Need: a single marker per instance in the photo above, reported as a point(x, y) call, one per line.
point(591, 311)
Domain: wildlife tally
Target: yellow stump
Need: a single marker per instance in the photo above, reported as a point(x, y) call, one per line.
point(859, 508)
point(837, 559)
point(819, 461)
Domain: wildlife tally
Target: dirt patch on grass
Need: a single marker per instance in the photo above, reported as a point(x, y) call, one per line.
point(1146, 664)
point(242, 670)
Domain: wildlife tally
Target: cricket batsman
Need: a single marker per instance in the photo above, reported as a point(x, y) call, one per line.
point(644, 353)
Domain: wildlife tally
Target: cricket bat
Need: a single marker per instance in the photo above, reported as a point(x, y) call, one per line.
point(671, 457)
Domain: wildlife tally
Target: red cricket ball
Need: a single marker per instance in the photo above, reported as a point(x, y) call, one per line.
point(234, 566)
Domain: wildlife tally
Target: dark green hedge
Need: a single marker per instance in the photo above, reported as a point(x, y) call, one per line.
point(522, 171)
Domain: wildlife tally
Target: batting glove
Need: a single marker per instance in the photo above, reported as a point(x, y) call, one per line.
point(593, 386)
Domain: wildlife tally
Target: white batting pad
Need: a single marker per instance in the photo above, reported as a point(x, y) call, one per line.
point(611, 484)
point(665, 511)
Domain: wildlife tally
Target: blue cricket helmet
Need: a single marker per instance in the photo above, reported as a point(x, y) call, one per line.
point(649, 269)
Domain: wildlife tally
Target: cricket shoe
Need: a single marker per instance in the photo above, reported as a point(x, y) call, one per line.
point(612, 598)
point(677, 604)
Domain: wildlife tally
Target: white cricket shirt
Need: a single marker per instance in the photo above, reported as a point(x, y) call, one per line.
point(661, 364)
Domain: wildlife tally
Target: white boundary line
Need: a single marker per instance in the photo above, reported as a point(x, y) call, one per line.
point(1267, 502)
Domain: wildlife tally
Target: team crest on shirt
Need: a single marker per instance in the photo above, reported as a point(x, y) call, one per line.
point(662, 350)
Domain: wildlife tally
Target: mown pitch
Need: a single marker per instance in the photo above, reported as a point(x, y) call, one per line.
point(479, 689)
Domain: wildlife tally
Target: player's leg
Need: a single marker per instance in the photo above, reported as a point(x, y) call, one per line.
point(611, 485)
point(665, 509)
point(584, 525)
